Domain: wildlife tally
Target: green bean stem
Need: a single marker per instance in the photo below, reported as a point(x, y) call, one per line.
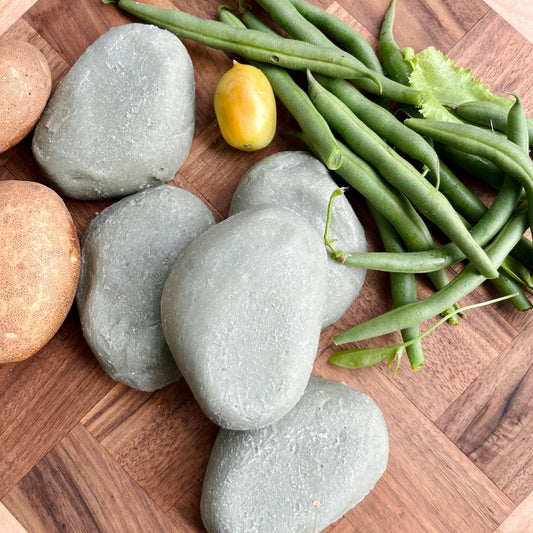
point(296, 25)
point(502, 152)
point(383, 122)
point(341, 32)
point(490, 114)
point(403, 288)
point(391, 54)
point(463, 284)
point(400, 174)
point(295, 99)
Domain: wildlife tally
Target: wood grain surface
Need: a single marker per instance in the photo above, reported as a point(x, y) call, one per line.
point(81, 453)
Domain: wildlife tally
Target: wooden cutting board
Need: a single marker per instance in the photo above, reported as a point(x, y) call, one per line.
point(81, 453)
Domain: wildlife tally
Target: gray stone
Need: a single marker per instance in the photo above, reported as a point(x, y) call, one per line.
point(242, 312)
point(127, 253)
point(123, 117)
point(301, 473)
point(299, 181)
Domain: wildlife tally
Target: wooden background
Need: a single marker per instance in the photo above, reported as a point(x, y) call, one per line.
point(80, 453)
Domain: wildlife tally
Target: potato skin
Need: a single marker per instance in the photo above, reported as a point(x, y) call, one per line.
point(40, 265)
point(25, 86)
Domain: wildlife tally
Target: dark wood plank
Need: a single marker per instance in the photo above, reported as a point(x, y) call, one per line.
point(79, 487)
point(43, 397)
point(491, 421)
point(162, 440)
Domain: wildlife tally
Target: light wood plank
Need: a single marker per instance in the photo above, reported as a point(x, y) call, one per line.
point(520, 520)
point(518, 13)
point(11, 11)
point(9, 523)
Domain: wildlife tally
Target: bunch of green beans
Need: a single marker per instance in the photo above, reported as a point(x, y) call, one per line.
point(411, 192)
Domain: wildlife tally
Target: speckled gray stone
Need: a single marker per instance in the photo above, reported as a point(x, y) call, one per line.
point(299, 181)
point(127, 253)
point(242, 312)
point(301, 473)
point(122, 119)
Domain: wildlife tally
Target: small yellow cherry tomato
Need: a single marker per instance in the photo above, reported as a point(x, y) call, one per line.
point(245, 108)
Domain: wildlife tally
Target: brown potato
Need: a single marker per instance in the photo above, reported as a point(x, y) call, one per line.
point(39, 265)
point(25, 86)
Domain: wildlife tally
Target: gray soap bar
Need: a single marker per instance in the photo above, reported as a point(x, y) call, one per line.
point(122, 119)
point(299, 181)
point(301, 473)
point(242, 312)
point(127, 253)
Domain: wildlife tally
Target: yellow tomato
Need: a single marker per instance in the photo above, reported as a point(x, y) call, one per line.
point(245, 108)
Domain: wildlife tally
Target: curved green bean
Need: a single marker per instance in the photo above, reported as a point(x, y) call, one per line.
point(488, 224)
point(428, 200)
point(391, 54)
point(339, 31)
point(490, 114)
point(256, 45)
point(391, 204)
point(463, 284)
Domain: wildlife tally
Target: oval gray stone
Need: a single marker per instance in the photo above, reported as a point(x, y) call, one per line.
point(127, 253)
point(301, 473)
point(122, 119)
point(242, 312)
point(299, 181)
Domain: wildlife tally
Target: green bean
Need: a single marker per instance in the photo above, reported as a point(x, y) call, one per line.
point(502, 152)
point(339, 31)
point(383, 122)
point(478, 167)
point(288, 17)
point(391, 54)
point(463, 200)
point(400, 174)
point(490, 114)
point(403, 287)
point(507, 285)
point(517, 271)
point(295, 99)
point(255, 45)
point(463, 284)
